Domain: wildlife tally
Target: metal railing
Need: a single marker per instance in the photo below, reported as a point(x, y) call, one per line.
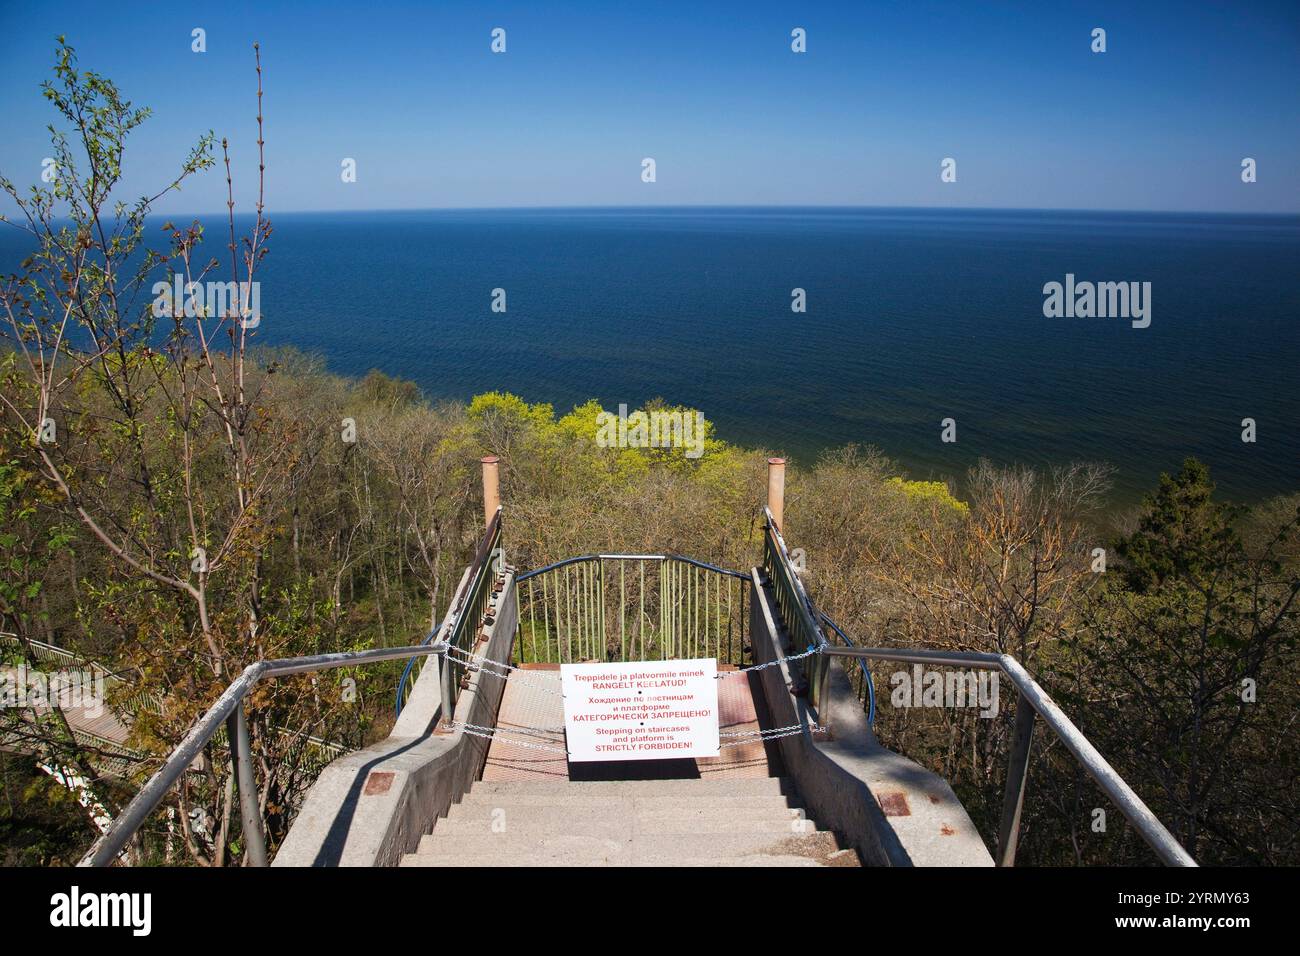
point(668, 606)
point(802, 620)
point(796, 611)
point(461, 627)
point(228, 713)
point(464, 619)
point(113, 756)
point(45, 653)
point(109, 757)
point(1035, 702)
point(862, 684)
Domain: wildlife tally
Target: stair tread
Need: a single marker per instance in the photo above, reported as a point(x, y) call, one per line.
point(628, 811)
point(618, 828)
point(733, 785)
point(475, 799)
point(683, 844)
point(755, 821)
point(757, 860)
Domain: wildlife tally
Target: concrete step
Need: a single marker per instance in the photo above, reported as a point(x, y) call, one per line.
point(838, 858)
point(723, 819)
point(695, 822)
point(574, 850)
point(731, 786)
point(619, 823)
point(739, 802)
point(524, 859)
point(739, 808)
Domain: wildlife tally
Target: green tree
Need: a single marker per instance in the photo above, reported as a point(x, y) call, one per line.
point(1187, 669)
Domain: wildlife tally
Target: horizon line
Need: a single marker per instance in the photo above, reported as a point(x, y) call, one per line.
point(792, 206)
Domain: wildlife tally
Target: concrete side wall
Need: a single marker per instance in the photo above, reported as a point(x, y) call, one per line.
point(892, 810)
point(369, 808)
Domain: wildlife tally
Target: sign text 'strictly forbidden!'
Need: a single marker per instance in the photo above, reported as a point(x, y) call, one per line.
point(641, 711)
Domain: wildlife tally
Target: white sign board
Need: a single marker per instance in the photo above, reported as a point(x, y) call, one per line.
point(651, 710)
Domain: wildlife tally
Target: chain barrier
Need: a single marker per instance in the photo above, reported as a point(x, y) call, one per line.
point(491, 733)
point(488, 733)
point(469, 659)
point(485, 665)
point(792, 728)
point(813, 649)
point(789, 732)
point(502, 671)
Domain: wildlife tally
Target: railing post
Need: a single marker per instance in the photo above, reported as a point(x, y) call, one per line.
point(242, 753)
point(491, 488)
point(1017, 773)
point(448, 704)
point(776, 490)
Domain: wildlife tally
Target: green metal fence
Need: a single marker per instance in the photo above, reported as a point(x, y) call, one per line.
point(632, 607)
point(466, 618)
point(798, 615)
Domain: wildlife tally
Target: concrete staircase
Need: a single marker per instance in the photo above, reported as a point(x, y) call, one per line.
point(699, 822)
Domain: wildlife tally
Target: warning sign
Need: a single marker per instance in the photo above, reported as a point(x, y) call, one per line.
point(641, 711)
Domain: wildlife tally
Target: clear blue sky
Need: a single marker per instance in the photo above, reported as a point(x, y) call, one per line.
point(711, 91)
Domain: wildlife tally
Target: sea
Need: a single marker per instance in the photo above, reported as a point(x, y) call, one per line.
point(922, 331)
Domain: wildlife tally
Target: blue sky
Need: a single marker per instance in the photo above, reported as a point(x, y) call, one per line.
point(713, 92)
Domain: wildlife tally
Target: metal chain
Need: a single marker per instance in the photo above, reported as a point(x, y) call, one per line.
point(747, 736)
point(469, 656)
point(788, 733)
point(478, 659)
point(534, 731)
point(812, 650)
point(489, 733)
point(813, 728)
point(485, 664)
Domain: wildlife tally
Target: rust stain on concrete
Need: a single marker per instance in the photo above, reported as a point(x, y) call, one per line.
point(895, 804)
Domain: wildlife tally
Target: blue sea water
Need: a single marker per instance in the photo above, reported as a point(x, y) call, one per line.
point(913, 316)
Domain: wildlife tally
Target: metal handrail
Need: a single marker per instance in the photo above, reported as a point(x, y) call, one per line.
point(868, 686)
point(471, 612)
point(797, 611)
point(229, 711)
point(704, 565)
point(150, 701)
point(404, 682)
point(480, 571)
point(1160, 840)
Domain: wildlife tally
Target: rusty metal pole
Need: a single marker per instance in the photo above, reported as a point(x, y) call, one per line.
point(776, 490)
point(491, 488)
